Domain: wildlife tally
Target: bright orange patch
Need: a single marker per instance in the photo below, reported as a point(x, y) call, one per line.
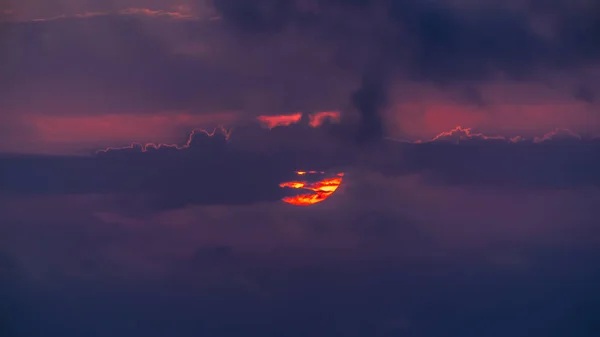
point(319, 118)
point(281, 120)
point(321, 189)
point(314, 119)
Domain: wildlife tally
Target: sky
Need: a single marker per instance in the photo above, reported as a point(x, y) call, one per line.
point(299, 168)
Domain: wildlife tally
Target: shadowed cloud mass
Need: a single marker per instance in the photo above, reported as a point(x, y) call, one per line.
point(206, 169)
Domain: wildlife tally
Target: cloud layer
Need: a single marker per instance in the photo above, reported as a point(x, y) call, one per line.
point(246, 165)
point(383, 258)
point(279, 57)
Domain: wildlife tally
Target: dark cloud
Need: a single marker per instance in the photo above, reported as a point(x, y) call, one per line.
point(14, 317)
point(369, 100)
point(136, 64)
point(210, 169)
point(312, 56)
point(258, 16)
point(239, 271)
point(585, 94)
point(446, 43)
point(174, 177)
point(559, 165)
point(559, 159)
point(439, 40)
point(247, 168)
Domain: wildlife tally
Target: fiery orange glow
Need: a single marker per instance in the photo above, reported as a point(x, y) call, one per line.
point(321, 189)
point(280, 120)
point(314, 120)
point(301, 173)
point(319, 118)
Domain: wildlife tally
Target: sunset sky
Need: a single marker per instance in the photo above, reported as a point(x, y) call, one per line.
point(154, 155)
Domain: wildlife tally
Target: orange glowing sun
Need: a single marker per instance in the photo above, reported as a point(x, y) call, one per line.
point(320, 189)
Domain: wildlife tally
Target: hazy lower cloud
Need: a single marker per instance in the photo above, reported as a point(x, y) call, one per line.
point(388, 243)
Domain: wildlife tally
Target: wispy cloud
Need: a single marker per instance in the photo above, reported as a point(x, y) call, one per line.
point(225, 133)
point(460, 134)
point(143, 12)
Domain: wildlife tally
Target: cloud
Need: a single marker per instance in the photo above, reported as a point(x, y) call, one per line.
point(128, 11)
point(160, 13)
point(585, 94)
point(558, 135)
point(135, 62)
point(558, 159)
point(447, 44)
point(385, 68)
point(195, 140)
point(279, 120)
point(369, 100)
point(217, 264)
point(247, 165)
point(315, 119)
point(243, 265)
point(319, 118)
point(461, 134)
point(440, 41)
point(12, 312)
point(190, 238)
point(122, 62)
point(204, 170)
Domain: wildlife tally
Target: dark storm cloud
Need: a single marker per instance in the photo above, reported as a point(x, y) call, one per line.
point(278, 56)
point(369, 100)
point(439, 40)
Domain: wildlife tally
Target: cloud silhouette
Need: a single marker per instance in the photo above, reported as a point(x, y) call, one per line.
point(226, 167)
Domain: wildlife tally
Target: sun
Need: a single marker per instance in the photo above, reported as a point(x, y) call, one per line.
point(320, 189)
